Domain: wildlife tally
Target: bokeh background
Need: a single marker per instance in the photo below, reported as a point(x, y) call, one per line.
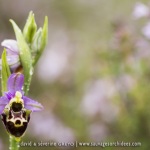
point(94, 75)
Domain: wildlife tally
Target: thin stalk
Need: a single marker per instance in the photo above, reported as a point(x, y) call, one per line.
point(14, 144)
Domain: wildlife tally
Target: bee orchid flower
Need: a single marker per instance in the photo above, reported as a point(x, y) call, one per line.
point(15, 107)
point(15, 92)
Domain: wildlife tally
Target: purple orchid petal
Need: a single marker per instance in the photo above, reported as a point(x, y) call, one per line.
point(11, 46)
point(13, 59)
point(3, 102)
point(32, 104)
point(15, 82)
point(10, 95)
point(13, 62)
point(12, 54)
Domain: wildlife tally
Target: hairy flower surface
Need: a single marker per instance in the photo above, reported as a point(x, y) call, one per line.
point(15, 94)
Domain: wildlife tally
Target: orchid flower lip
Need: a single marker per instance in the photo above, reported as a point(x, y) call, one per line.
point(15, 94)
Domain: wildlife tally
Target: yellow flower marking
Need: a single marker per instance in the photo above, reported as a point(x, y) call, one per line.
point(17, 99)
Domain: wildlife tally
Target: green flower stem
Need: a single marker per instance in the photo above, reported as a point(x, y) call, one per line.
point(14, 144)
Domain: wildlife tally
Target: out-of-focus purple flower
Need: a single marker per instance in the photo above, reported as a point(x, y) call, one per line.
point(12, 54)
point(140, 10)
point(15, 94)
point(146, 30)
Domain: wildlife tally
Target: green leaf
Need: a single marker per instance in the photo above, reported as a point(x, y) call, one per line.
point(5, 73)
point(44, 39)
point(25, 56)
point(30, 28)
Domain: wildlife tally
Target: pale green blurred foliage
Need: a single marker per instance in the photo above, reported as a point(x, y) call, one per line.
point(105, 57)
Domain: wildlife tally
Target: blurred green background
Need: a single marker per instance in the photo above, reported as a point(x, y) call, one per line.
point(94, 75)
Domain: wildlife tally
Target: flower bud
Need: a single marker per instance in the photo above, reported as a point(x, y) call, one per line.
point(29, 28)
